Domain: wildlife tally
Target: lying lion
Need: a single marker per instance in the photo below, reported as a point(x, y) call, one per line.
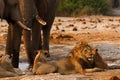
point(6, 68)
point(83, 58)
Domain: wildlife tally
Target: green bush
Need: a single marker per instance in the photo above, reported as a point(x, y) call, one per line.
point(87, 10)
point(83, 7)
point(66, 7)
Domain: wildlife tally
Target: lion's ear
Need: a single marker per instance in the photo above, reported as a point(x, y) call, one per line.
point(96, 50)
point(37, 51)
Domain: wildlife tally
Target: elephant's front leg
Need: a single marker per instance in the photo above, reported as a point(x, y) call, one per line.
point(17, 33)
point(13, 43)
point(27, 44)
point(9, 44)
point(46, 37)
point(36, 38)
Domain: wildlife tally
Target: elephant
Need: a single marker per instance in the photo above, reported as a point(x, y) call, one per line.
point(21, 17)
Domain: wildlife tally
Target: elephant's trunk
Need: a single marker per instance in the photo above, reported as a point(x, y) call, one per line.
point(22, 25)
point(40, 20)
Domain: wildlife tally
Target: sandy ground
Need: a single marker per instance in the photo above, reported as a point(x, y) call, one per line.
point(101, 32)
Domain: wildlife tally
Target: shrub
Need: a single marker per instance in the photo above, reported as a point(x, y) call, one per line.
point(84, 7)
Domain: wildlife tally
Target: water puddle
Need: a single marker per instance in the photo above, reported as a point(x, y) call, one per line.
point(23, 66)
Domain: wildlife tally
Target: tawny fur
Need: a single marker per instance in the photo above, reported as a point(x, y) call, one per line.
point(83, 58)
point(6, 68)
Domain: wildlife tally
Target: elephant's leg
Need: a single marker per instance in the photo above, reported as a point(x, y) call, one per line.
point(17, 33)
point(9, 44)
point(27, 44)
point(46, 31)
point(36, 37)
point(46, 37)
point(13, 43)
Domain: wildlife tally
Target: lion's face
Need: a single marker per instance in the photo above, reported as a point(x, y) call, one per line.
point(88, 53)
point(42, 55)
point(84, 51)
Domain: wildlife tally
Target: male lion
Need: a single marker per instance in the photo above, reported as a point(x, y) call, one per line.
point(6, 68)
point(83, 58)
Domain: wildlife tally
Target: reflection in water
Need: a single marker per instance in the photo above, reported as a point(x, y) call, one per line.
point(23, 66)
point(114, 65)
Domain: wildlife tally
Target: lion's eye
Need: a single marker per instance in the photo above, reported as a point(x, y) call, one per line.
point(85, 51)
point(88, 51)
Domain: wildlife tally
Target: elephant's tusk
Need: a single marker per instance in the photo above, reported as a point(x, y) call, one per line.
point(23, 26)
point(40, 20)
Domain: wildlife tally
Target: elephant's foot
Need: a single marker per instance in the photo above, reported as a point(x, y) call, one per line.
point(30, 67)
point(15, 59)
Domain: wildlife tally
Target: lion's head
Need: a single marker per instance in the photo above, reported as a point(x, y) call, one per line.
point(41, 54)
point(5, 59)
point(83, 52)
point(88, 53)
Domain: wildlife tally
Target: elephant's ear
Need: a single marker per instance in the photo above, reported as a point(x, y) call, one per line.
point(2, 7)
